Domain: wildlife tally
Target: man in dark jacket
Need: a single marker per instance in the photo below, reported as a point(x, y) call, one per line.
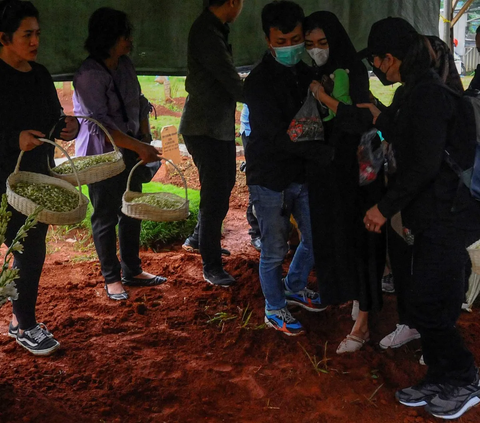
point(275, 91)
point(475, 82)
point(208, 128)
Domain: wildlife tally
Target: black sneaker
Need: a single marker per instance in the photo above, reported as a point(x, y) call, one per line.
point(219, 277)
point(418, 395)
point(454, 401)
point(256, 243)
point(12, 331)
point(38, 340)
point(191, 246)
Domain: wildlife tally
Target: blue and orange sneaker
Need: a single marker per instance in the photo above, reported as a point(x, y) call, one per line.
point(306, 298)
point(283, 321)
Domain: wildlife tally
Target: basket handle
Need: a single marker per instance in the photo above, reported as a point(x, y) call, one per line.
point(17, 167)
point(160, 158)
point(110, 138)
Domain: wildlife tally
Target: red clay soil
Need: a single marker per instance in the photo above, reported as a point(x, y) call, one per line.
point(188, 352)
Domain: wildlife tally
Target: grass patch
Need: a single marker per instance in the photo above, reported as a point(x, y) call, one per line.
point(155, 235)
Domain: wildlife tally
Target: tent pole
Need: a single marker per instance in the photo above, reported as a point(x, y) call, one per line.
point(447, 12)
point(464, 8)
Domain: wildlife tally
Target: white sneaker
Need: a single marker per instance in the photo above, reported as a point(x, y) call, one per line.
point(355, 310)
point(400, 336)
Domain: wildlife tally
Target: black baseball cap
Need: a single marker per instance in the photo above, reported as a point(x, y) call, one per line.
point(389, 35)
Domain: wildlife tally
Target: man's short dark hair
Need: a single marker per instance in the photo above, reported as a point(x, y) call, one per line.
point(284, 15)
point(478, 30)
point(216, 2)
point(105, 27)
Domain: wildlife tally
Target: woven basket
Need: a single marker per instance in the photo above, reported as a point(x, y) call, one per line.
point(98, 172)
point(474, 253)
point(26, 206)
point(149, 212)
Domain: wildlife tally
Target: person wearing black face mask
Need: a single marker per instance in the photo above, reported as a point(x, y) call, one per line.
point(475, 83)
point(443, 217)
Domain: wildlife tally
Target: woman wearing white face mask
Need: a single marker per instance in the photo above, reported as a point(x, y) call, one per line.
point(348, 259)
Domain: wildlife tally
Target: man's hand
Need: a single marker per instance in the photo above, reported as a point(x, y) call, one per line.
point(374, 220)
point(70, 130)
point(147, 153)
point(28, 139)
point(373, 110)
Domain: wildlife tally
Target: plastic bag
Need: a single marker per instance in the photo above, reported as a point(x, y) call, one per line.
point(307, 124)
point(369, 161)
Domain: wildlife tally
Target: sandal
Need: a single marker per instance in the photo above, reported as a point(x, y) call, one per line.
point(351, 343)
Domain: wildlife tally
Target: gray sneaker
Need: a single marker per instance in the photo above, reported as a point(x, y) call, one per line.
point(454, 401)
point(418, 395)
point(38, 340)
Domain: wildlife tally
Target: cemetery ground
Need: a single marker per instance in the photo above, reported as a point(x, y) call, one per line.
point(187, 351)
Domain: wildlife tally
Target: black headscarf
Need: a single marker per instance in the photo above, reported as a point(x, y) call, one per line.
point(342, 53)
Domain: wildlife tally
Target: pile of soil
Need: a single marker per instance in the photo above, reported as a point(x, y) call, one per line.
point(186, 351)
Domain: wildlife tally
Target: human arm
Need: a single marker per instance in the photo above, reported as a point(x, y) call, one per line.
point(423, 123)
point(319, 92)
point(97, 98)
point(208, 47)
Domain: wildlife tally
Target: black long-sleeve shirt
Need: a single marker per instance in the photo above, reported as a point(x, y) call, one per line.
point(274, 94)
point(28, 100)
point(420, 126)
point(212, 83)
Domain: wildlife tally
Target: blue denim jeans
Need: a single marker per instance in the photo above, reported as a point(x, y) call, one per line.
point(273, 211)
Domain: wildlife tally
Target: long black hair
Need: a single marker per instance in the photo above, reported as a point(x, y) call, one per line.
point(12, 12)
point(418, 60)
point(105, 27)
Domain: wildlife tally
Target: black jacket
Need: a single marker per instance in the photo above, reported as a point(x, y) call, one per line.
point(274, 94)
point(212, 83)
point(420, 125)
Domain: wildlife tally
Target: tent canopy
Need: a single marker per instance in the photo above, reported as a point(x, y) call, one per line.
point(161, 28)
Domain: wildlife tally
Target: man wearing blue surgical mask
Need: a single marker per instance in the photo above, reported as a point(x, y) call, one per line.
point(276, 167)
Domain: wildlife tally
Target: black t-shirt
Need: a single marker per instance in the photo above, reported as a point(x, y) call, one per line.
point(28, 100)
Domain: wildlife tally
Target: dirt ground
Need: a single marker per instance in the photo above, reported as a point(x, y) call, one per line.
point(189, 352)
point(186, 351)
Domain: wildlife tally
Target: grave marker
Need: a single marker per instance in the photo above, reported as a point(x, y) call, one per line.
point(170, 149)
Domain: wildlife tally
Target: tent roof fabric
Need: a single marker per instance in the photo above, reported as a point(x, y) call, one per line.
point(161, 28)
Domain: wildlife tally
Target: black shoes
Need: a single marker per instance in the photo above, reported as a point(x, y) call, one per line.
point(156, 280)
point(38, 340)
point(117, 297)
point(418, 395)
point(219, 277)
point(256, 243)
point(191, 246)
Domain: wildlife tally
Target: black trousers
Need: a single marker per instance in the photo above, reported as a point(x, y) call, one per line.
point(106, 198)
point(215, 160)
point(435, 300)
point(254, 230)
point(30, 265)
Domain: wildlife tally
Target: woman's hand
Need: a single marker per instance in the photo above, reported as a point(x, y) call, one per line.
point(147, 153)
point(373, 110)
point(374, 220)
point(70, 130)
point(317, 89)
point(29, 139)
